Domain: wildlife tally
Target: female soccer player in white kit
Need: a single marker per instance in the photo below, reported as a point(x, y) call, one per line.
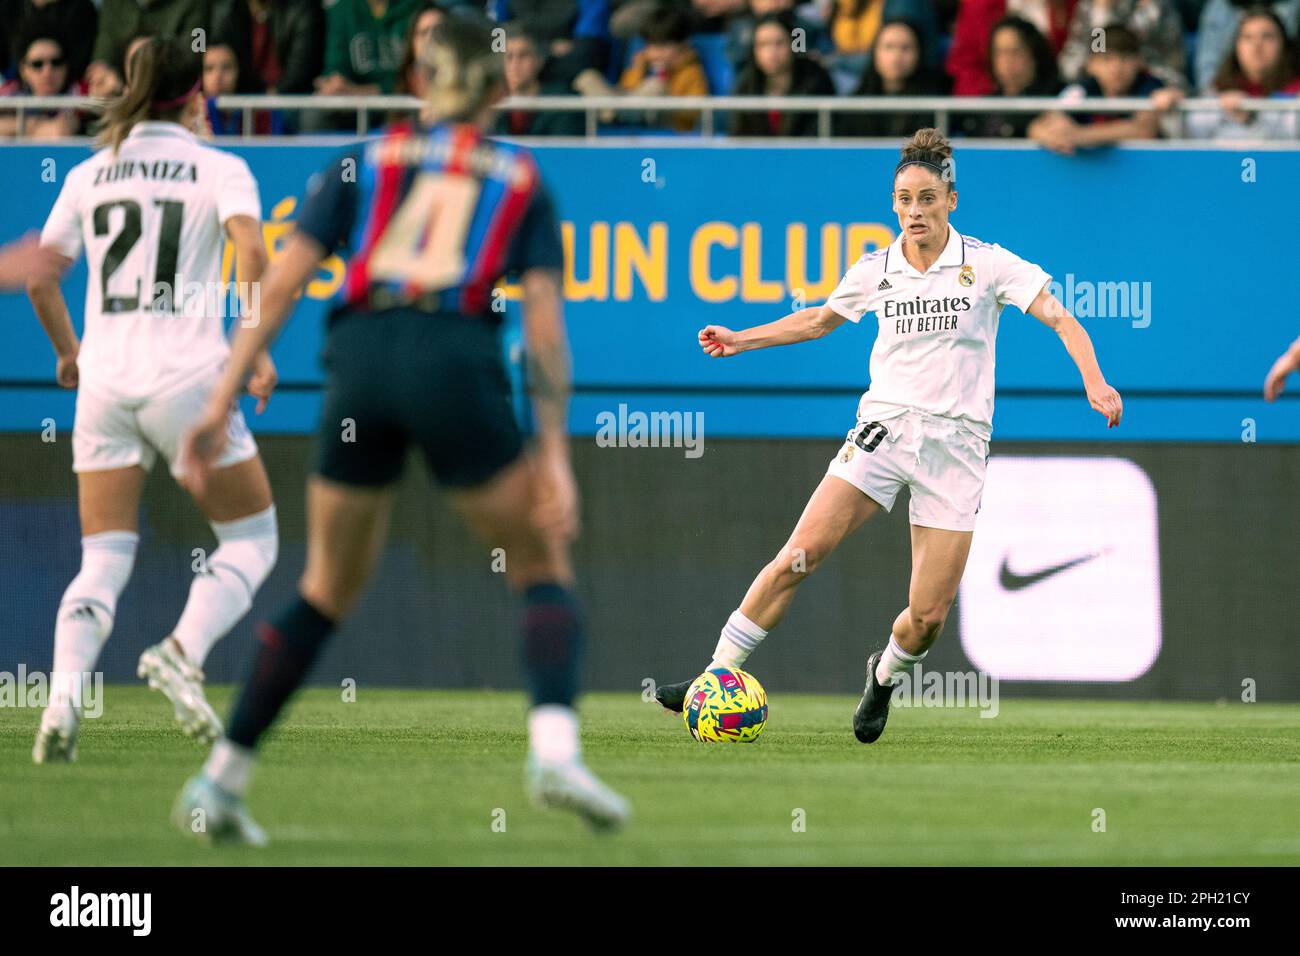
point(924, 423)
point(151, 210)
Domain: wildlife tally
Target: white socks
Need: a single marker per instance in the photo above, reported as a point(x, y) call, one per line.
point(230, 766)
point(895, 662)
point(85, 615)
point(740, 638)
point(221, 595)
point(553, 733)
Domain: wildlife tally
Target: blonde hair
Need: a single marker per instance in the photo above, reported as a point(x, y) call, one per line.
point(462, 72)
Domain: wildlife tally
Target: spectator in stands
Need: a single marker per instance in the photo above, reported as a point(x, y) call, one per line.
point(711, 15)
point(279, 44)
point(363, 46)
point(1022, 65)
point(71, 22)
point(1156, 22)
point(775, 69)
point(523, 69)
point(666, 66)
point(571, 35)
point(1261, 63)
point(42, 71)
point(897, 68)
point(410, 79)
point(853, 27)
point(1218, 26)
point(221, 76)
point(122, 20)
point(1115, 69)
point(968, 63)
point(813, 40)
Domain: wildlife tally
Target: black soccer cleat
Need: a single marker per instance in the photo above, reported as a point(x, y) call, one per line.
point(873, 710)
point(673, 696)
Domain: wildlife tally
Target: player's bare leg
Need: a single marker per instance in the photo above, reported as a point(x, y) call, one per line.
point(109, 503)
point(938, 561)
point(237, 502)
point(346, 529)
point(539, 569)
point(835, 510)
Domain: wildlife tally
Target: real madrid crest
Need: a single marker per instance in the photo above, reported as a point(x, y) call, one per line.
point(848, 453)
point(967, 277)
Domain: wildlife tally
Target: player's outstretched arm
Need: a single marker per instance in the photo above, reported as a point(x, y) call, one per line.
point(1287, 362)
point(1046, 308)
point(811, 323)
point(26, 259)
point(281, 284)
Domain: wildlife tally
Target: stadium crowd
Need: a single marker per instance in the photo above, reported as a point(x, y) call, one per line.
point(1159, 50)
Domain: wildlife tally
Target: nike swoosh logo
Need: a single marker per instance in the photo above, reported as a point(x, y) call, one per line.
point(1012, 581)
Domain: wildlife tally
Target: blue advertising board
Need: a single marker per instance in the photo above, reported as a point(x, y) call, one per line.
point(1165, 255)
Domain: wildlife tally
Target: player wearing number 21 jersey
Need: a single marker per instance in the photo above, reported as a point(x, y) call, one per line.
point(924, 424)
point(152, 211)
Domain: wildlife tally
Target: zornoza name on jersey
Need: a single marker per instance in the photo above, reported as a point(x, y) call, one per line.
point(170, 170)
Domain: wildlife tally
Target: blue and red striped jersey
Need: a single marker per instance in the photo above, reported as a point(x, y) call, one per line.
point(442, 211)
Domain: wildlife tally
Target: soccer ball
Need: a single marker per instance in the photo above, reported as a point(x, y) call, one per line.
point(725, 704)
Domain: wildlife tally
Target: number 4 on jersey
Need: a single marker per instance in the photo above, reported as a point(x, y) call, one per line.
point(424, 243)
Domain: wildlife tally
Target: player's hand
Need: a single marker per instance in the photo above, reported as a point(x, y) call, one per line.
point(332, 85)
point(1106, 400)
point(555, 510)
point(65, 371)
point(263, 380)
point(201, 446)
point(1277, 375)
point(718, 342)
point(1166, 98)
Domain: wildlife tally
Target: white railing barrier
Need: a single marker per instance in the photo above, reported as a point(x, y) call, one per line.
point(364, 107)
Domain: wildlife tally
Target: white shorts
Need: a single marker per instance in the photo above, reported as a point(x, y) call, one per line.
point(116, 433)
point(939, 459)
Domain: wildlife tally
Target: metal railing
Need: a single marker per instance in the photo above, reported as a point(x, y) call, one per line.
point(708, 107)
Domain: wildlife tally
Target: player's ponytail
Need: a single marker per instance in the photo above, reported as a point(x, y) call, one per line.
point(161, 77)
point(463, 74)
point(929, 148)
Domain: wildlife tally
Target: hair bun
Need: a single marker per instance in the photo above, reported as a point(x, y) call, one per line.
point(927, 145)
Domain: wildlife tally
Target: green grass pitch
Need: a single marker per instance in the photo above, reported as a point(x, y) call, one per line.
point(420, 777)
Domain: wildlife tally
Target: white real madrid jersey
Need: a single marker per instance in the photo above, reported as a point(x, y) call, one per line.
point(935, 347)
point(150, 219)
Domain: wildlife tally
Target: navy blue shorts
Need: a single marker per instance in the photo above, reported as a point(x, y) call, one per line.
point(403, 377)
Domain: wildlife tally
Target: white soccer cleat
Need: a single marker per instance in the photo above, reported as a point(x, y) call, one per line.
point(56, 741)
point(205, 811)
point(182, 683)
point(571, 786)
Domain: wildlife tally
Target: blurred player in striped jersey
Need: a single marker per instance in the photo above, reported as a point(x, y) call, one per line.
point(152, 211)
point(432, 215)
